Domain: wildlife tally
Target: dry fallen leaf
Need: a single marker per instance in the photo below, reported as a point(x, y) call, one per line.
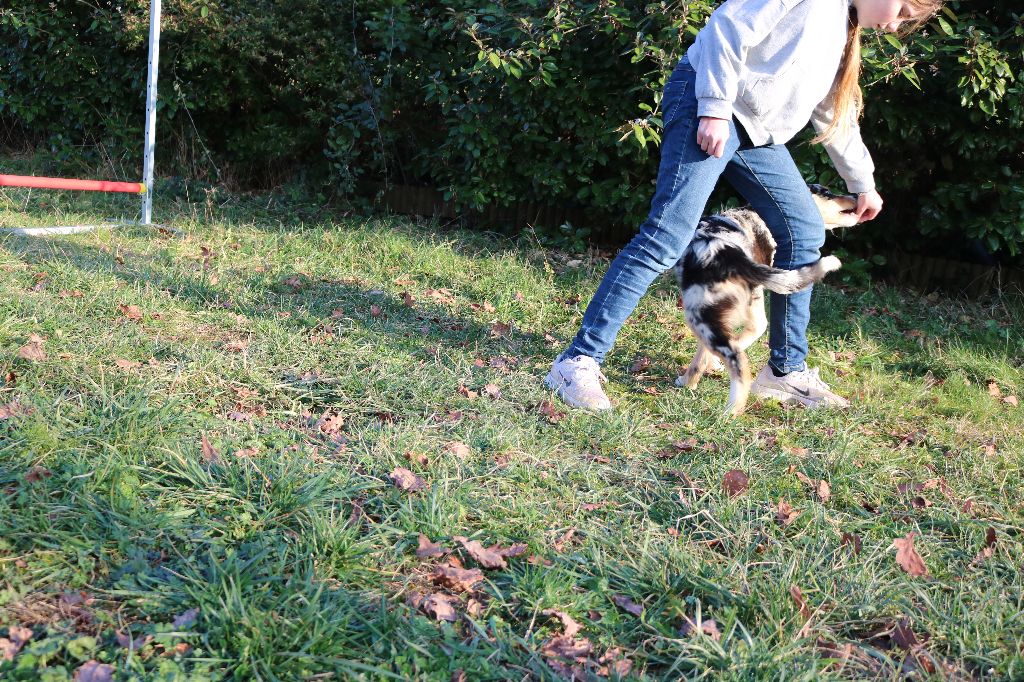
point(463, 391)
point(735, 482)
point(903, 635)
point(33, 350)
point(11, 645)
point(993, 389)
point(784, 513)
point(428, 548)
point(570, 626)
point(439, 605)
point(821, 487)
point(37, 473)
point(330, 422)
point(131, 312)
point(1010, 400)
point(456, 578)
point(126, 641)
point(627, 604)
point(640, 364)
point(500, 329)
point(186, 619)
point(563, 541)
point(127, 364)
point(989, 549)
point(13, 409)
point(824, 490)
point(7, 649)
point(614, 662)
point(417, 458)
point(552, 413)
point(94, 671)
point(403, 479)
point(487, 557)
point(798, 598)
point(210, 454)
point(708, 627)
point(907, 557)
point(457, 448)
point(853, 540)
point(492, 391)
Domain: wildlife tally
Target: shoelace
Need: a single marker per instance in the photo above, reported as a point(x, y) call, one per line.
point(815, 378)
point(584, 371)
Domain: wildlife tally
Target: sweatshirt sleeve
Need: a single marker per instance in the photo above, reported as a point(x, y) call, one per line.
point(731, 31)
point(848, 153)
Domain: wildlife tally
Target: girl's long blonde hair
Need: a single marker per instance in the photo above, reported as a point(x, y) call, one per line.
point(847, 99)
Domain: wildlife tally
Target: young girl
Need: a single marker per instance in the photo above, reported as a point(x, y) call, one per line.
point(754, 76)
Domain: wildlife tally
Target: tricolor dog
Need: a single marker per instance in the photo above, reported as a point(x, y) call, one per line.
point(722, 277)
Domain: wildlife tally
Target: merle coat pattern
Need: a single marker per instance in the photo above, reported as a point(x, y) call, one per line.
point(722, 277)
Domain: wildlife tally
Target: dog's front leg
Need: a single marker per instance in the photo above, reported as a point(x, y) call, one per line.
point(698, 366)
point(739, 385)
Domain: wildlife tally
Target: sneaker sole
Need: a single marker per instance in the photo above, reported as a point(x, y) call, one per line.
point(784, 397)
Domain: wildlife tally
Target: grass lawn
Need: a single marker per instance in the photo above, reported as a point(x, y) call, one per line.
point(203, 436)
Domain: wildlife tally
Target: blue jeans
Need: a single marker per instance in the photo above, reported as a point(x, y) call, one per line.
point(767, 178)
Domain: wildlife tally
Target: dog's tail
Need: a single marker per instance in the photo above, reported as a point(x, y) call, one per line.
point(786, 281)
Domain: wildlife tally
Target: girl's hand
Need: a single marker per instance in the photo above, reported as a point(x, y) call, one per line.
point(869, 205)
point(712, 134)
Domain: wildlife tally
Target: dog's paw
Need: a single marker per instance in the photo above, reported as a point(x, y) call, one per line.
point(831, 264)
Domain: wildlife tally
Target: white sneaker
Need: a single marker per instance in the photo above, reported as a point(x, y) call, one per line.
point(577, 381)
point(804, 387)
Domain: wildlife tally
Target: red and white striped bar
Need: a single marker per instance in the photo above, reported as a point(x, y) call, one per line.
point(66, 183)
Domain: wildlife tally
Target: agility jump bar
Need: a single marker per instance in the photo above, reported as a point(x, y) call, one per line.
point(66, 183)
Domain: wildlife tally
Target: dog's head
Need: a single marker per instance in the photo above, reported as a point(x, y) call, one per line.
point(837, 210)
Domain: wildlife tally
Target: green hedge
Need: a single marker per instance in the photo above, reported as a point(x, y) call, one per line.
point(551, 102)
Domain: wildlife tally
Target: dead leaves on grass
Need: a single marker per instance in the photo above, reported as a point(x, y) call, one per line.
point(735, 483)
point(820, 487)
point(551, 412)
point(33, 351)
point(210, 453)
point(437, 605)
point(571, 657)
point(94, 671)
point(132, 313)
point(988, 550)
point(907, 556)
point(16, 638)
point(429, 549)
point(707, 627)
point(784, 513)
point(405, 480)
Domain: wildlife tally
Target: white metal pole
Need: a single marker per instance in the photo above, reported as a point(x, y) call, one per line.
point(150, 142)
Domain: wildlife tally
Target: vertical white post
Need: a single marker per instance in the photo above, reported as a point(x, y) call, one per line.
point(150, 143)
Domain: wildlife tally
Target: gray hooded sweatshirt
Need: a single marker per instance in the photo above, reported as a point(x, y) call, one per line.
point(772, 64)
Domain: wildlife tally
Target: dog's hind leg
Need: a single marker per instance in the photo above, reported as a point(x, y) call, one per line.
point(755, 323)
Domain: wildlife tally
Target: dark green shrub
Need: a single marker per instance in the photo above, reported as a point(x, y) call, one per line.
point(499, 103)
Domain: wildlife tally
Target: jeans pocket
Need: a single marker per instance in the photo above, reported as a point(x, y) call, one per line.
point(675, 94)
